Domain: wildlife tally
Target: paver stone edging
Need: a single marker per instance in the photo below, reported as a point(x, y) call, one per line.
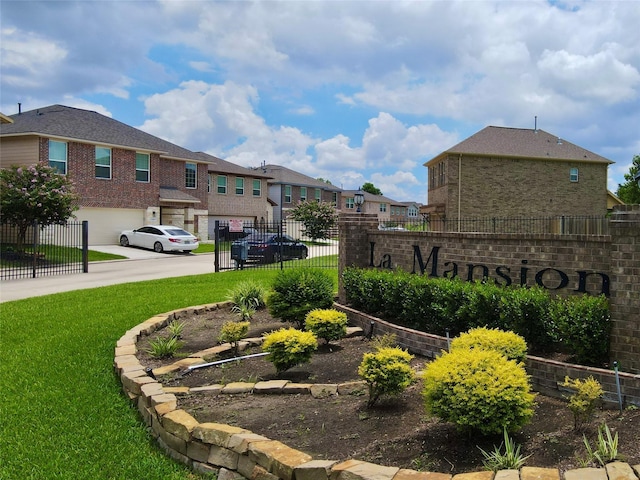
point(230, 452)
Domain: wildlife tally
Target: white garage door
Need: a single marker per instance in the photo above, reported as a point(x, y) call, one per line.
point(105, 224)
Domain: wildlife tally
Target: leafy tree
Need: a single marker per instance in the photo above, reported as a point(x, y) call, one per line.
point(629, 192)
point(324, 180)
point(35, 193)
point(371, 188)
point(318, 218)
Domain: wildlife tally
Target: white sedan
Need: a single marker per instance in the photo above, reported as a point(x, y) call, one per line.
point(160, 238)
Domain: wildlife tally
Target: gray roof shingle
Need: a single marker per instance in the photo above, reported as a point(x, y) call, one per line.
point(521, 143)
point(218, 165)
point(284, 175)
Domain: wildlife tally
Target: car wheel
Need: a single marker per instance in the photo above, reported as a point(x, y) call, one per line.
point(276, 257)
point(124, 241)
point(303, 254)
point(157, 247)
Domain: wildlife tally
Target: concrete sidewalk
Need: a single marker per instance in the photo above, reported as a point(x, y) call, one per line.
point(140, 265)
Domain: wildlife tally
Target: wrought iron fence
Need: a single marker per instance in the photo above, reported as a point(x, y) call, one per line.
point(52, 250)
point(275, 245)
point(561, 225)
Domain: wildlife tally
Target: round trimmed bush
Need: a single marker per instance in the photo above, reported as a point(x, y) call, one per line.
point(479, 391)
point(289, 347)
point(387, 371)
point(329, 324)
point(509, 344)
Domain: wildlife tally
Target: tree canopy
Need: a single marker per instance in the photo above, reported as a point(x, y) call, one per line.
point(318, 218)
point(629, 192)
point(35, 193)
point(371, 188)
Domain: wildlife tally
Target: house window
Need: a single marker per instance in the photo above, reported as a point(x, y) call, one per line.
point(103, 163)
point(383, 207)
point(142, 167)
point(190, 175)
point(318, 195)
point(334, 199)
point(437, 177)
point(303, 194)
point(287, 194)
point(222, 184)
point(573, 174)
point(239, 186)
point(257, 188)
point(209, 183)
point(58, 156)
point(349, 203)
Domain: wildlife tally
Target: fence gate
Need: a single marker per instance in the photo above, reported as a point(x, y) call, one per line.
point(52, 250)
point(276, 245)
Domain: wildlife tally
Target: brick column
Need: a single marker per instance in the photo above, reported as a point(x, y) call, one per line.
point(625, 287)
point(354, 249)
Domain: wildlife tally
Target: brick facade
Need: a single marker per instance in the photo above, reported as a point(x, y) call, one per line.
point(564, 264)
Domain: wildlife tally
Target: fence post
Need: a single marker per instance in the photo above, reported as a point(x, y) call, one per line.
point(85, 246)
point(34, 255)
point(216, 252)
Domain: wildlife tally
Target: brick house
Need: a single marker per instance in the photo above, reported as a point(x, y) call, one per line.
point(236, 193)
point(504, 172)
point(374, 204)
point(125, 177)
point(287, 188)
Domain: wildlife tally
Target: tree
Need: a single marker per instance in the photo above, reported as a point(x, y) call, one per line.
point(318, 218)
point(328, 182)
point(371, 188)
point(35, 193)
point(629, 192)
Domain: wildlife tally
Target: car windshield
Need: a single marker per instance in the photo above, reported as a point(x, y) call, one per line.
point(178, 232)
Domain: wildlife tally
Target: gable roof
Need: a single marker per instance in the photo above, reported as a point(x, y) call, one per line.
point(520, 143)
point(217, 165)
point(59, 121)
point(286, 176)
point(370, 197)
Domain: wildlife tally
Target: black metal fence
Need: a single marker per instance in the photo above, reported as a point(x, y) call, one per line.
point(52, 250)
point(276, 245)
point(560, 225)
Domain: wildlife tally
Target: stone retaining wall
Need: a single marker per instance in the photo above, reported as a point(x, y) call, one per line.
point(233, 453)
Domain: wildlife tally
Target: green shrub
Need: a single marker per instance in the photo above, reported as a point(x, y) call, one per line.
point(584, 326)
point(248, 294)
point(526, 311)
point(606, 450)
point(289, 347)
point(386, 372)
point(509, 344)
point(328, 324)
point(233, 332)
point(482, 306)
point(510, 459)
point(583, 401)
point(387, 340)
point(175, 328)
point(164, 347)
point(245, 312)
point(297, 291)
point(479, 391)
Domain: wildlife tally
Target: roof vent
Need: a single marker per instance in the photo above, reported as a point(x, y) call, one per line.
point(559, 141)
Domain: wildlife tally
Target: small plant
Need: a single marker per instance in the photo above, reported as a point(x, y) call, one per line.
point(289, 347)
point(509, 459)
point(606, 450)
point(248, 294)
point(175, 328)
point(297, 291)
point(164, 347)
point(478, 390)
point(245, 312)
point(388, 340)
point(233, 332)
point(386, 372)
point(509, 344)
point(327, 324)
point(584, 401)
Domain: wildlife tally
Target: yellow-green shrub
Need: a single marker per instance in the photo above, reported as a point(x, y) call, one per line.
point(329, 324)
point(510, 344)
point(584, 401)
point(478, 390)
point(233, 332)
point(289, 347)
point(387, 371)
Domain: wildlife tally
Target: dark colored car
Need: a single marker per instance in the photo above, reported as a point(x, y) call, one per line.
point(269, 248)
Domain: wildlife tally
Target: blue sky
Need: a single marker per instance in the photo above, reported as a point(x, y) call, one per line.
point(354, 92)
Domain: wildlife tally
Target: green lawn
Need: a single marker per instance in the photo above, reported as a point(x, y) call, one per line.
point(62, 413)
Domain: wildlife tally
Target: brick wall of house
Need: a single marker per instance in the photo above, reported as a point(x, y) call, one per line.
point(242, 206)
point(521, 187)
point(121, 191)
point(555, 261)
point(172, 174)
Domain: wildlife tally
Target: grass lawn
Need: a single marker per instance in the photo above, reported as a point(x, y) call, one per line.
point(62, 413)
